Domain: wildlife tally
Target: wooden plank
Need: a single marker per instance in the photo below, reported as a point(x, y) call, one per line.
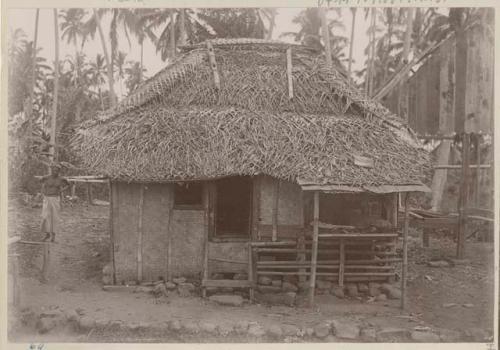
point(89, 193)
point(289, 72)
point(226, 283)
point(16, 290)
point(405, 250)
point(334, 274)
point(273, 244)
point(229, 261)
point(463, 197)
point(358, 235)
point(314, 253)
point(347, 262)
point(326, 266)
point(341, 263)
point(140, 233)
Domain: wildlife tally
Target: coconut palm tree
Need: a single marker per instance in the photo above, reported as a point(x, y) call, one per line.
point(309, 33)
point(98, 72)
point(72, 26)
point(134, 74)
point(56, 88)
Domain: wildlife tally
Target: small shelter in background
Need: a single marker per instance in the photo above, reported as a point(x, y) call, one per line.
point(248, 156)
point(450, 92)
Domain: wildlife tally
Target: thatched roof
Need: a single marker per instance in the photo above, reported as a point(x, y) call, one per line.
point(179, 126)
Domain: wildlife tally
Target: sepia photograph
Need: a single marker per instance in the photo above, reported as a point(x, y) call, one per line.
point(320, 174)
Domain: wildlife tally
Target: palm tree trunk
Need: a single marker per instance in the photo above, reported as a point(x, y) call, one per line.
point(406, 53)
point(142, 60)
point(182, 27)
point(29, 111)
point(56, 90)
point(172, 33)
point(326, 37)
point(112, 95)
point(272, 24)
point(371, 72)
point(351, 42)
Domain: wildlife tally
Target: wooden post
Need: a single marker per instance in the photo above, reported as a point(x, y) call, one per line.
point(289, 72)
point(341, 262)
point(73, 189)
point(405, 250)
point(275, 210)
point(250, 272)
point(314, 254)
point(16, 291)
point(111, 188)
point(477, 199)
point(139, 233)
point(206, 222)
point(463, 198)
point(46, 261)
point(89, 193)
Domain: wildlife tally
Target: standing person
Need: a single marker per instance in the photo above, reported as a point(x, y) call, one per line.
point(52, 186)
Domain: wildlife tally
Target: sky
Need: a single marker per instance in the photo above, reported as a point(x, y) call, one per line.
point(25, 19)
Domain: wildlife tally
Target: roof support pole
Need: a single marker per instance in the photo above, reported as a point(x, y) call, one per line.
point(139, 233)
point(405, 250)
point(289, 72)
point(275, 209)
point(206, 223)
point(314, 254)
point(112, 198)
point(463, 198)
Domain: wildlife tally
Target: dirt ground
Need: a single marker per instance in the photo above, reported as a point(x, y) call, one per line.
point(458, 297)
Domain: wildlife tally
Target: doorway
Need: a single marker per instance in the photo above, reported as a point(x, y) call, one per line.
point(233, 207)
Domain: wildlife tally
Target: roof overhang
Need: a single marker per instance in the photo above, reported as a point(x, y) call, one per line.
point(342, 188)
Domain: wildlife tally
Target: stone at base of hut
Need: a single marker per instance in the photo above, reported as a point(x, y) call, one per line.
point(345, 329)
point(352, 289)
point(240, 276)
point(106, 280)
point(143, 289)
point(290, 330)
point(321, 330)
point(368, 334)
point(338, 292)
point(289, 287)
point(321, 284)
point(392, 335)
point(229, 300)
point(450, 336)
point(86, 323)
point(185, 289)
point(276, 283)
point(275, 331)
point(265, 281)
point(160, 289)
point(363, 288)
point(179, 280)
point(391, 291)
point(170, 285)
point(381, 297)
point(256, 330)
point(424, 337)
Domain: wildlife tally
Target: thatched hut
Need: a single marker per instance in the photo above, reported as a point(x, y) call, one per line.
point(234, 142)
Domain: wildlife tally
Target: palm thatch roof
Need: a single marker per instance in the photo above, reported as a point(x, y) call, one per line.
point(179, 125)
